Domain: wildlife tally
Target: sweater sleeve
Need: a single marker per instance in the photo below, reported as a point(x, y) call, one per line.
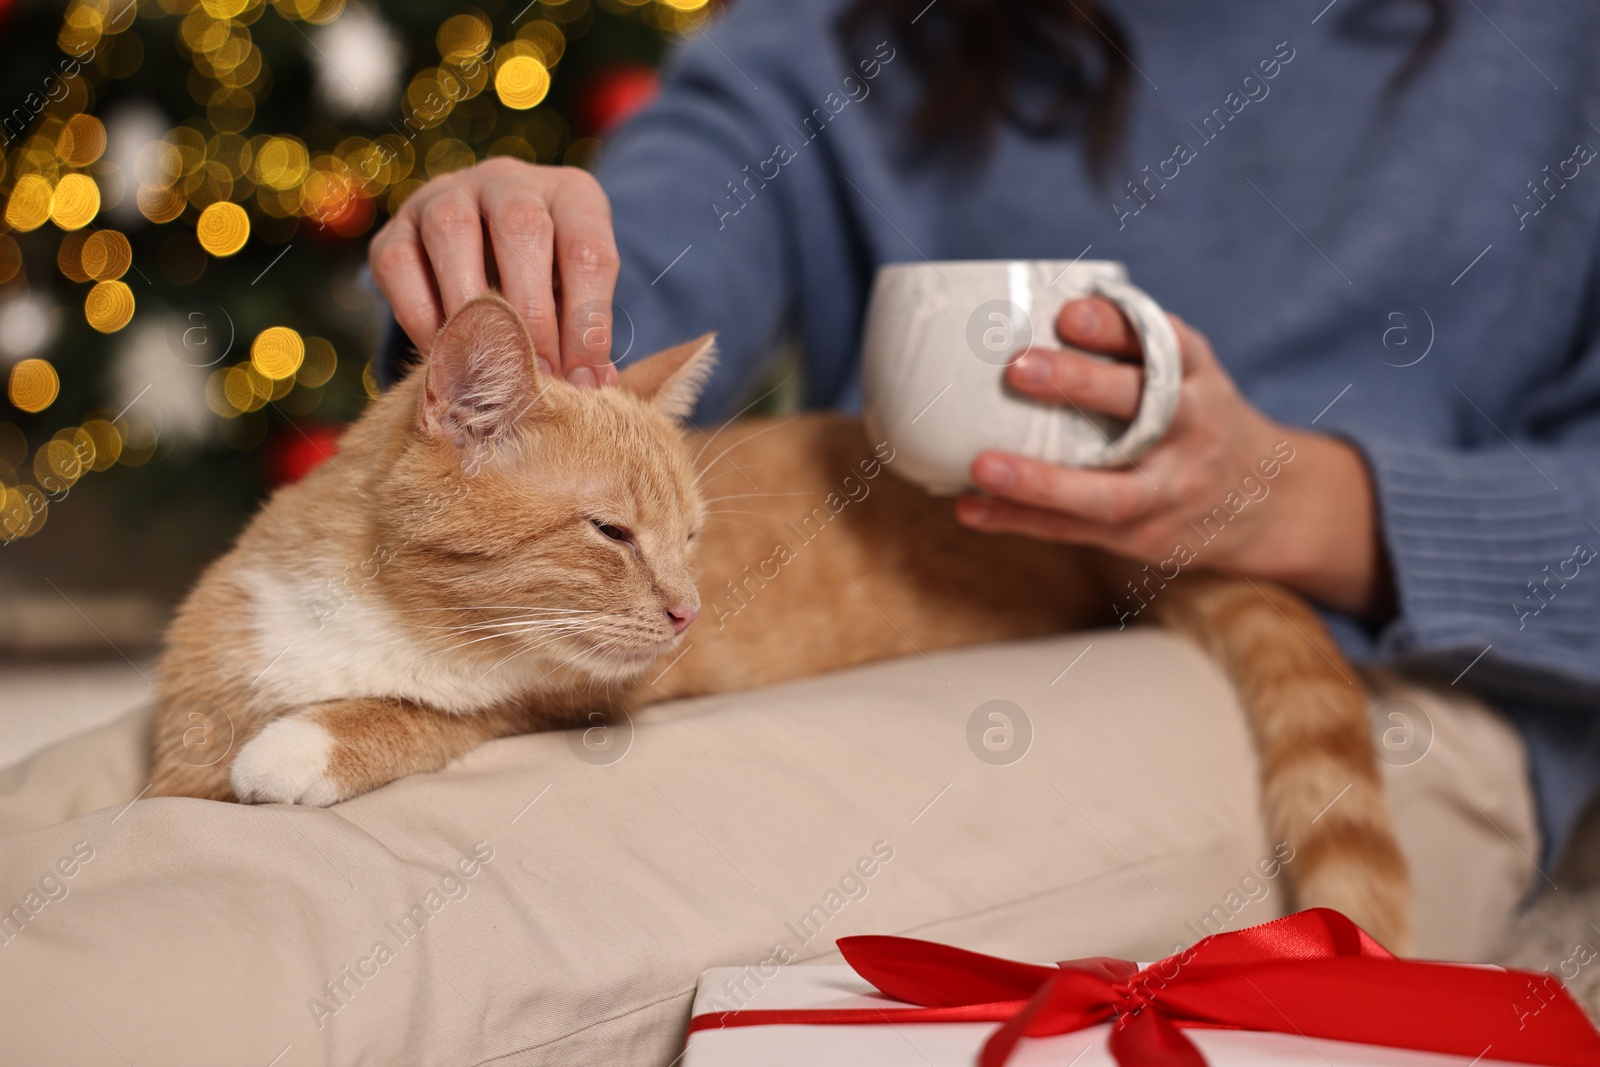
point(1495, 552)
point(705, 243)
point(1493, 546)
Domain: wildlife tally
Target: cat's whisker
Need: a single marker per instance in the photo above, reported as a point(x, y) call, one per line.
point(731, 522)
point(555, 630)
point(700, 479)
point(740, 443)
point(490, 607)
point(511, 621)
point(729, 422)
point(519, 652)
point(743, 496)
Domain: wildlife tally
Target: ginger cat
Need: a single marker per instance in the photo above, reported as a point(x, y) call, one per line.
point(493, 553)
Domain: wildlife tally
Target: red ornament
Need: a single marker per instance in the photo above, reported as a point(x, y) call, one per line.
point(612, 96)
point(299, 450)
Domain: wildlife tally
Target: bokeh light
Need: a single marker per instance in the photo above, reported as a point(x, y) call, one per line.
point(10, 258)
point(160, 203)
point(106, 256)
point(107, 443)
point(29, 206)
point(109, 306)
point(69, 256)
point(319, 364)
point(76, 202)
point(81, 141)
point(463, 36)
point(33, 385)
point(229, 137)
point(277, 353)
point(223, 228)
point(521, 82)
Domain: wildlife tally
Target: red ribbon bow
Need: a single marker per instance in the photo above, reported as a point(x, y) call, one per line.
point(1314, 973)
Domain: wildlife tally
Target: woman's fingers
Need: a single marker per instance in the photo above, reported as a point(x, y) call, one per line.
point(452, 234)
point(402, 272)
point(1100, 496)
point(993, 515)
point(586, 258)
point(1096, 325)
point(522, 233)
point(1072, 378)
point(553, 256)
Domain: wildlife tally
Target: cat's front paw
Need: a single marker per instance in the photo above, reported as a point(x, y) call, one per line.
point(287, 763)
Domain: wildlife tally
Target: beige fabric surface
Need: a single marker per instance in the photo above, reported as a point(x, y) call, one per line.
point(191, 932)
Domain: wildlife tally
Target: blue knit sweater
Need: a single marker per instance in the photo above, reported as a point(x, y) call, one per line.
point(1417, 276)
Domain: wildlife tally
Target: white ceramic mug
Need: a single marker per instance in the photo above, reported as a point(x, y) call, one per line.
point(937, 341)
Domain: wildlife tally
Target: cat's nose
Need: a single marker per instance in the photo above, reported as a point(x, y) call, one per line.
point(681, 616)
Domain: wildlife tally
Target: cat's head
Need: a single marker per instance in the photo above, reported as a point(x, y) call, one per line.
point(537, 522)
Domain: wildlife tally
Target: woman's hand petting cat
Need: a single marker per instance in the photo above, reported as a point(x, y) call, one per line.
point(542, 235)
point(1226, 489)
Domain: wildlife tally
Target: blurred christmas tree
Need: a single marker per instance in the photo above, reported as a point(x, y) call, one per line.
point(188, 187)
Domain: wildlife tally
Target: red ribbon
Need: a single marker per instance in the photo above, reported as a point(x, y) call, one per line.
point(1315, 973)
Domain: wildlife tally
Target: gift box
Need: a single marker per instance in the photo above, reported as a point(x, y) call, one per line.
point(1312, 989)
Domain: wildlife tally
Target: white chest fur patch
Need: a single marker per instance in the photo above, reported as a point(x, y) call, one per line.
point(308, 654)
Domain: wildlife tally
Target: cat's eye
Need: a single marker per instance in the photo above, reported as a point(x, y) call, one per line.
point(616, 533)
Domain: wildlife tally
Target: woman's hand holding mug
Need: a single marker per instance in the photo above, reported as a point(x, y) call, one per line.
point(1300, 505)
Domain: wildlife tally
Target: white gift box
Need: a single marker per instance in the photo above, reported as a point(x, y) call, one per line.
point(725, 989)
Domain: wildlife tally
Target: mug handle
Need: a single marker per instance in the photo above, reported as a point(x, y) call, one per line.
point(1163, 373)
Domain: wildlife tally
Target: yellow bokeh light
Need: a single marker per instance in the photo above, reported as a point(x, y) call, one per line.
point(29, 206)
point(76, 203)
point(80, 30)
point(69, 257)
point(448, 154)
point(106, 256)
point(313, 11)
point(238, 390)
point(81, 141)
point(60, 462)
point(521, 82)
point(22, 512)
point(223, 228)
point(216, 393)
point(202, 32)
point(277, 353)
point(320, 362)
point(107, 443)
point(232, 151)
point(547, 37)
point(462, 36)
point(282, 162)
point(224, 9)
point(10, 258)
point(109, 306)
point(33, 385)
point(160, 203)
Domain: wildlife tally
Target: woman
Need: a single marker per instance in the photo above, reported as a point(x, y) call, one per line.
point(1375, 220)
point(1377, 223)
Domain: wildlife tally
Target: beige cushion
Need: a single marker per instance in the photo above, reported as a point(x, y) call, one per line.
point(203, 933)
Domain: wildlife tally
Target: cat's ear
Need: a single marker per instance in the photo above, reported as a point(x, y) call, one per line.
point(481, 376)
point(673, 378)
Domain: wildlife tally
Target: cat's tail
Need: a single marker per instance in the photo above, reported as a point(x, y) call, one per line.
point(1307, 707)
